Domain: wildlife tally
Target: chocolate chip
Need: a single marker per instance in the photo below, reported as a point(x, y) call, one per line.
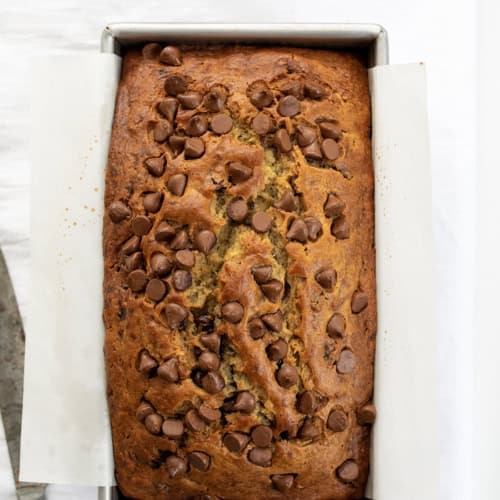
point(161, 265)
point(305, 135)
point(171, 56)
point(288, 106)
point(175, 84)
point(156, 166)
point(176, 184)
point(336, 326)
point(176, 466)
point(147, 364)
point(173, 428)
point(141, 225)
point(199, 460)
point(232, 312)
point(152, 202)
point(169, 370)
point(359, 301)
point(313, 151)
point(136, 280)
point(334, 206)
point(259, 94)
point(326, 278)
point(237, 172)
point(261, 222)
point(340, 228)
point(282, 482)
point(168, 108)
point(215, 99)
point(262, 435)
point(131, 245)
point(348, 471)
point(190, 100)
point(164, 231)
point(277, 350)
point(298, 231)
point(196, 127)
point(118, 211)
point(184, 258)
point(237, 210)
point(262, 124)
point(176, 143)
point(306, 402)
point(245, 402)
point(261, 457)
point(367, 414)
point(153, 423)
point(205, 241)
point(162, 130)
point(143, 410)
point(208, 361)
point(209, 414)
point(283, 141)
point(314, 228)
point(330, 149)
point(151, 51)
point(256, 328)
point(181, 241)
point(156, 290)
point(194, 422)
point(205, 322)
point(134, 261)
point(273, 321)
point(235, 441)
point(337, 421)
point(288, 202)
point(287, 375)
point(272, 290)
point(221, 123)
point(314, 90)
point(346, 361)
point(311, 428)
point(211, 341)
point(292, 87)
point(182, 280)
point(175, 315)
point(330, 130)
point(213, 382)
point(262, 274)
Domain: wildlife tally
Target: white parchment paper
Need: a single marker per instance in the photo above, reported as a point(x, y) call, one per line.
point(66, 435)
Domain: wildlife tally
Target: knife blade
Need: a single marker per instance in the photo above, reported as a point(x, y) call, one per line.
point(11, 380)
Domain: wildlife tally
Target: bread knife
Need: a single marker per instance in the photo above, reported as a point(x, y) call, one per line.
point(11, 380)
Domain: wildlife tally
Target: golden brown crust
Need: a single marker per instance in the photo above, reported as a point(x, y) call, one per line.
point(135, 324)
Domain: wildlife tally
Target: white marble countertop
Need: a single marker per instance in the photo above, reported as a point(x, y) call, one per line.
point(443, 34)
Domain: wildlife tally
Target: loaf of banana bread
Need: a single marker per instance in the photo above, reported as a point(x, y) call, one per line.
point(239, 285)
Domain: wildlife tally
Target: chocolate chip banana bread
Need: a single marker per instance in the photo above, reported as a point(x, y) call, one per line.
point(239, 283)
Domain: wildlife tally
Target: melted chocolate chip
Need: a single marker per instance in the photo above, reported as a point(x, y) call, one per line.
point(208, 361)
point(232, 312)
point(334, 206)
point(340, 228)
point(212, 382)
point(136, 280)
point(313, 151)
point(288, 202)
point(134, 261)
point(211, 341)
point(283, 141)
point(176, 143)
point(262, 124)
point(169, 370)
point(336, 326)
point(298, 231)
point(256, 328)
point(245, 402)
point(215, 99)
point(311, 428)
point(153, 423)
point(118, 211)
point(348, 471)
point(176, 184)
point(330, 149)
point(314, 90)
point(259, 94)
point(282, 482)
point(305, 135)
point(277, 350)
point(176, 466)
point(273, 321)
point(175, 84)
point(287, 375)
point(209, 414)
point(133, 244)
point(194, 422)
point(326, 278)
point(314, 228)
point(152, 202)
point(168, 108)
point(155, 166)
point(367, 414)
point(330, 130)
point(235, 441)
point(262, 274)
point(237, 210)
point(162, 130)
point(151, 51)
point(184, 258)
point(175, 314)
point(359, 301)
point(147, 364)
point(161, 265)
point(156, 290)
point(171, 56)
point(205, 240)
point(292, 87)
point(346, 362)
point(190, 100)
point(261, 222)
point(307, 402)
point(182, 280)
point(181, 241)
point(197, 126)
point(238, 172)
point(289, 106)
point(164, 232)
point(272, 290)
point(199, 460)
point(262, 435)
point(143, 410)
point(337, 421)
point(261, 457)
point(173, 428)
point(141, 225)
point(221, 123)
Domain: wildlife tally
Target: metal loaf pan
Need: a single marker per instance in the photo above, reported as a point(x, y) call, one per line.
point(368, 38)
